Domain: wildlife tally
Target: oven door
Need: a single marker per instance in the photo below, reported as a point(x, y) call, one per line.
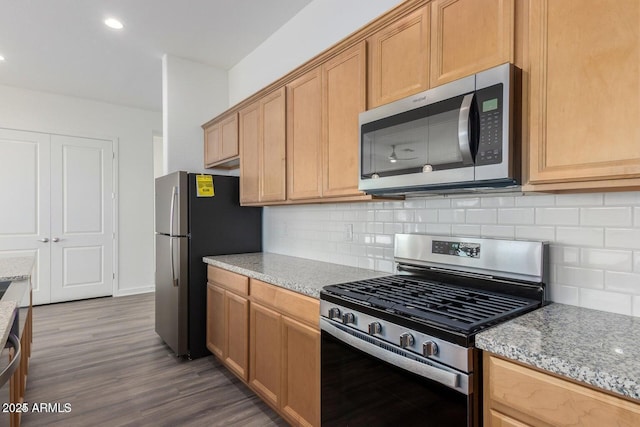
point(359, 389)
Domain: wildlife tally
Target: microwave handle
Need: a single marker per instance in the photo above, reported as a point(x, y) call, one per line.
point(464, 136)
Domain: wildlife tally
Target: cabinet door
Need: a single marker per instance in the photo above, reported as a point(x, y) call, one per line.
point(584, 90)
point(468, 36)
point(265, 352)
point(273, 147)
point(399, 58)
point(212, 144)
point(496, 419)
point(300, 372)
point(344, 96)
point(229, 139)
point(237, 334)
point(249, 129)
point(304, 135)
point(215, 321)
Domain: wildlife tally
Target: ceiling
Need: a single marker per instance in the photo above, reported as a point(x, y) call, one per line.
point(63, 46)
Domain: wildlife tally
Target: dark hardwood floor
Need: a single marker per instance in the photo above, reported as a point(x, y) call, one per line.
point(103, 357)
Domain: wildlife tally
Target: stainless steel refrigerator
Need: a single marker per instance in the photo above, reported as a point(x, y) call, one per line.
point(189, 227)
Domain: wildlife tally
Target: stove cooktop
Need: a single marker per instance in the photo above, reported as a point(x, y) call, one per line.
point(447, 306)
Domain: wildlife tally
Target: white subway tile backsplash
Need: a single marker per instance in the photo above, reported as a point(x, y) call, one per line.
point(516, 216)
point(625, 238)
point(426, 215)
point(607, 259)
point(557, 216)
point(607, 301)
point(497, 202)
point(625, 198)
point(580, 236)
point(498, 231)
point(481, 216)
point(466, 203)
point(384, 215)
point(466, 230)
point(564, 294)
point(535, 232)
point(535, 200)
point(584, 199)
point(609, 216)
point(578, 276)
point(451, 215)
point(622, 282)
point(594, 237)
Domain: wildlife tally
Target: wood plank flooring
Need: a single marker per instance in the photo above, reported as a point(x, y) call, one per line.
point(104, 358)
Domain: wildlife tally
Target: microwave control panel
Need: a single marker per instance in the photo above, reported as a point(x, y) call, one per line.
point(490, 111)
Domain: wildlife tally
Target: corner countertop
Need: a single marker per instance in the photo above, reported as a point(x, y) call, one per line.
point(297, 274)
point(17, 271)
point(594, 347)
point(18, 268)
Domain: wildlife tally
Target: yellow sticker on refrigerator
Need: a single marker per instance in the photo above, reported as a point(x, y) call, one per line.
point(204, 186)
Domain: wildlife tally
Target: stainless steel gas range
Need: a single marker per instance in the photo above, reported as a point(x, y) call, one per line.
point(399, 350)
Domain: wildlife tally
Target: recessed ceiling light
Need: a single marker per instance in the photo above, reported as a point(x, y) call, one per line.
point(1, 58)
point(113, 23)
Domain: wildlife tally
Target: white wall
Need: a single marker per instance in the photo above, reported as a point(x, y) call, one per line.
point(192, 94)
point(315, 28)
point(38, 111)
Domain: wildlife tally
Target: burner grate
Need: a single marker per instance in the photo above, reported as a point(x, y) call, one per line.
point(453, 306)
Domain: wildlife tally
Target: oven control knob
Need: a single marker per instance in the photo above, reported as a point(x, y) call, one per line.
point(375, 328)
point(406, 340)
point(348, 318)
point(429, 348)
point(334, 313)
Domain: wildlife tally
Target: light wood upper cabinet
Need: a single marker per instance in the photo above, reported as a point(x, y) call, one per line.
point(250, 153)
point(468, 36)
point(304, 136)
point(273, 147)
point(263, 150)
point(515, 395)
point(322, 127)
point(344, 98)
point(221, 141)
point(399, 58)
point(584, 94)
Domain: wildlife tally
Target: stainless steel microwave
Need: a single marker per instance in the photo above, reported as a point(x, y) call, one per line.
point(454, 137)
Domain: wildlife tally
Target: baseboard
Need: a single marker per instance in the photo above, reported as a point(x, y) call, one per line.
point(134, 291)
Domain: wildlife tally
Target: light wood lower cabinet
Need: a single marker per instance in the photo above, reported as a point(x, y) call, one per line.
point(228, 319)
point(515, 395)
point(270, 338)
point(285, 352)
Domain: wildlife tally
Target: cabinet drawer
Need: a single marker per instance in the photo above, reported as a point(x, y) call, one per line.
point(300, 307)
point(553, 401)
point(232, 281)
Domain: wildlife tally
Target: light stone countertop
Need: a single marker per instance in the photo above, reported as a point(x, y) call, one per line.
point(594, 347)
point(17, 270)
point(297, 274)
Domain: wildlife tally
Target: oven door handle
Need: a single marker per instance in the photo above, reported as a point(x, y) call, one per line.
point(437, 374)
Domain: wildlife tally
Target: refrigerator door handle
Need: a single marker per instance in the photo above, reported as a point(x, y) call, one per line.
point(174, 195)
point(174, 280)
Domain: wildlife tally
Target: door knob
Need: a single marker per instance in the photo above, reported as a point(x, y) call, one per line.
point(45, 240)
point(55, 239)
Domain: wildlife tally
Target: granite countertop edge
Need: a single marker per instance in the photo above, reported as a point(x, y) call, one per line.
point(574, 358)
point(301, 275)
point(309, 291)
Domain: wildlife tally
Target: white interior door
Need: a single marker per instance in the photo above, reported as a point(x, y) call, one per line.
point(25, 203)
point(81, 218)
